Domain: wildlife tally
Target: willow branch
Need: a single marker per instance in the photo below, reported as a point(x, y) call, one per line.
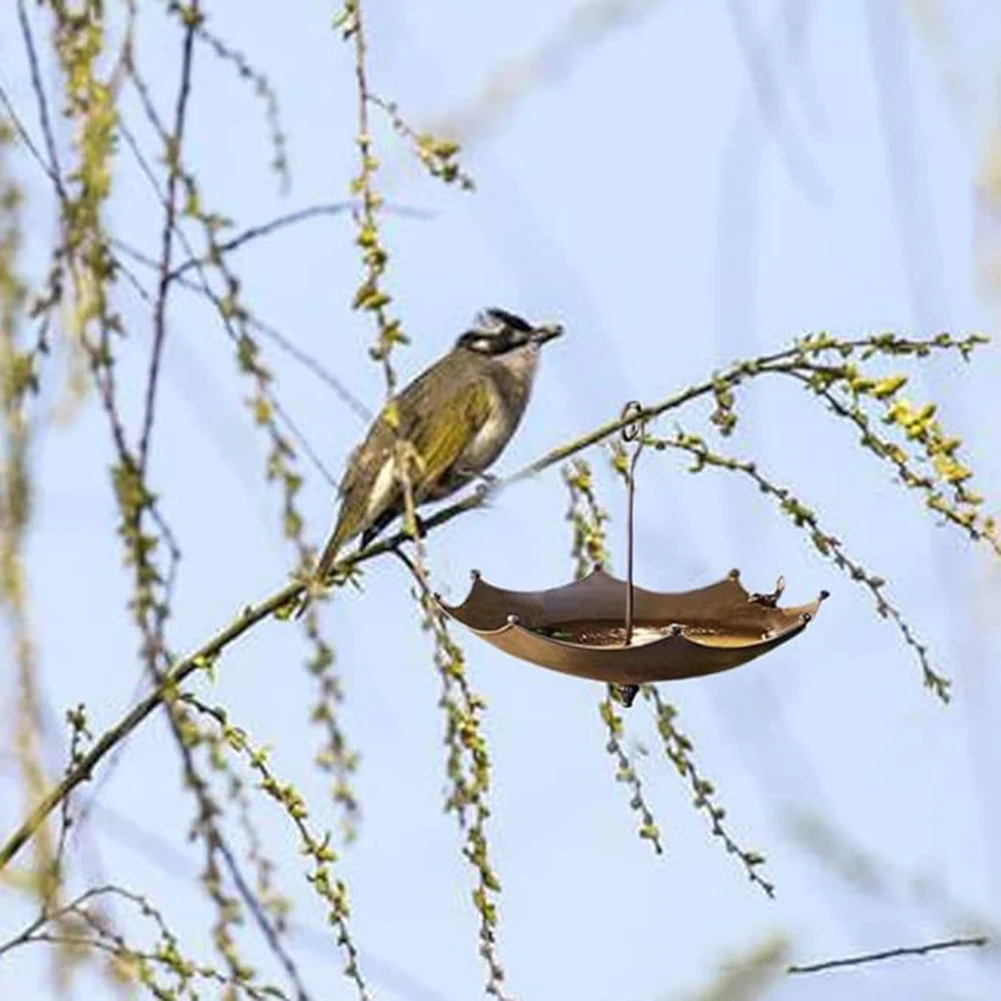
point(254, 614)
point(173, 158)
point(777, 363)
point(199, 659)
point(290, 219)
point(904, 950)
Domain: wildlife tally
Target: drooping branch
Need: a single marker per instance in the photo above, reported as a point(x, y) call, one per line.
point(172, 155)
point(202, 659)
point(974, 941)
point(284, 600)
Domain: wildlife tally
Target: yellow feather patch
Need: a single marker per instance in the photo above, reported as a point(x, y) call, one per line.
point(441, 440)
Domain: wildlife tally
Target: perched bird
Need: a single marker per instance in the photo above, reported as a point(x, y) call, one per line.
point(458, 415)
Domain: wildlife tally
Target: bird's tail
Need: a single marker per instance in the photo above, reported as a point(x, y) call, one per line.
point(323, 567)
point(328, 557)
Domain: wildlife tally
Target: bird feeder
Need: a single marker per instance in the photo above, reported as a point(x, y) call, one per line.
point(607, 629)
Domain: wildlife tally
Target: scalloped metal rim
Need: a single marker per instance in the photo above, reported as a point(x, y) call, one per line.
point(510, 620)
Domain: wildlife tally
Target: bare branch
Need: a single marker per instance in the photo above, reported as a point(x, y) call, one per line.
point(290, 219)
point(904, 950)
point(285, 599)
point(172, 155)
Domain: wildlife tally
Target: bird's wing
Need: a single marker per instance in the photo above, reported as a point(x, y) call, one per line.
point(440, 442)
point(356, 469)
point(350, 472)
point(368, 489)
point(360, 475)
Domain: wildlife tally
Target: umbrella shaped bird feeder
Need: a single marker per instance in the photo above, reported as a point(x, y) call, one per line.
point(607, 629)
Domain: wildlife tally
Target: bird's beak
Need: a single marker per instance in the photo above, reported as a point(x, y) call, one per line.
point(547, 332)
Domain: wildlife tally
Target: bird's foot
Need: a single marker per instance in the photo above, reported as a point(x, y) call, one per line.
point(485, 482)
point(488, 483)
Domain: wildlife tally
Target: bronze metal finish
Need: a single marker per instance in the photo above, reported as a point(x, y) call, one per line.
point(578, 629)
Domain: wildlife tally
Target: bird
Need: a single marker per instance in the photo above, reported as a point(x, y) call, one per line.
point(458, 415)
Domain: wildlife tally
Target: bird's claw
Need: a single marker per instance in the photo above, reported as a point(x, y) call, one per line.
point(488, 483)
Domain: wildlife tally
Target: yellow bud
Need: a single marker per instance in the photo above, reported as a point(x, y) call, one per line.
point(889, 386)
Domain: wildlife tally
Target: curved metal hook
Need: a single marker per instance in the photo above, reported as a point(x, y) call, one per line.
point(634, 411)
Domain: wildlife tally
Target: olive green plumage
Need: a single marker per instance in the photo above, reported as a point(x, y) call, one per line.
point(458, 416)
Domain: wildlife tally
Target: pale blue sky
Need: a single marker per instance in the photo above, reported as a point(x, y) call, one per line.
point(638, 197)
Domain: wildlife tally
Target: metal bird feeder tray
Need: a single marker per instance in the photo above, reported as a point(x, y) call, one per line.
point(607, 629)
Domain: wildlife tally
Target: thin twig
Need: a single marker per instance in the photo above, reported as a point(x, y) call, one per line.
point(203, 286)
point(678, 748)
point(172, 156)
point(55, 171)
point(25, 136)
point(28, 933)
point(200, 659)
point(905, 950)
point(283, 599)
point(265, 229)
point(265, 90)
point(284, 343)
point(263, 922)
point(290, 219)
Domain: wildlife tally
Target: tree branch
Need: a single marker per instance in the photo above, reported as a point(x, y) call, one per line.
point(290, 219)
point(779, 362)
point(200, 659)
point(172, 155)
point(905, 950)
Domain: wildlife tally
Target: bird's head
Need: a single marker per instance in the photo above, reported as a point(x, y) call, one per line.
point(496, 332)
